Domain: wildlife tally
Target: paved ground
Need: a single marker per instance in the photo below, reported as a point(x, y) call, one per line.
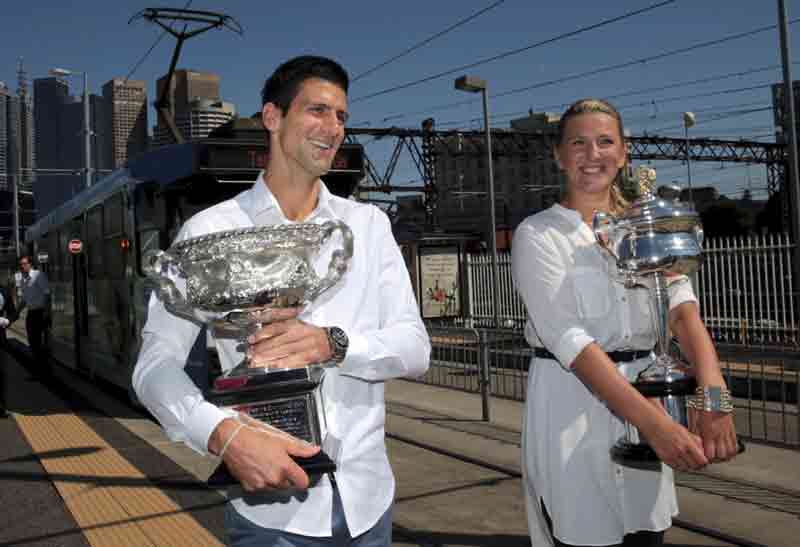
point(458, 477)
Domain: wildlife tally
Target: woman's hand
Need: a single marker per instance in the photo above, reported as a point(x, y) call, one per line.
point(676, 446)
point(718, 433)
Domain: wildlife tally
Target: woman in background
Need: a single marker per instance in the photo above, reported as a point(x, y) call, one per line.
point(591, 336)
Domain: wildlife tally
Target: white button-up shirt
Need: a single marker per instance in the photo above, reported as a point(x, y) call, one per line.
point(373, 303)
point(33, 288)
point(573, 298)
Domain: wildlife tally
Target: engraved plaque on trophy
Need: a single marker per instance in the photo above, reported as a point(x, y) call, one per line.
point(656, 236)
point(236, 281)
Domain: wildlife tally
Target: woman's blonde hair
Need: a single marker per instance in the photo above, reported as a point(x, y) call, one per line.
point(592, 106)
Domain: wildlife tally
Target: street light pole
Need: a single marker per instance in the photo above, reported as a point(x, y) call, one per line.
point(87, 136)
point(688, 121)
point(15, 185)
point(87, 127)
point(473, 85)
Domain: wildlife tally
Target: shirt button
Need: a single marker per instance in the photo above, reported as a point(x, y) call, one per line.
point(624, 299)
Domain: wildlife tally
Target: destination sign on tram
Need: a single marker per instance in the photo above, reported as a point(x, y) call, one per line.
point(253, 157)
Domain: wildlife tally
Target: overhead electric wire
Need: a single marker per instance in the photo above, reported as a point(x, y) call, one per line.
point(610, 68)
point(513, 52)
point(607, 97)
point(149, 51)
point(718, 117)
point(427, 40)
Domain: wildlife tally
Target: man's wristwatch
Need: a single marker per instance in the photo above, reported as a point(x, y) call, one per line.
point(338, 342)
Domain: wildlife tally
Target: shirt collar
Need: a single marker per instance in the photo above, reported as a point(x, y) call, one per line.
point(264, 204)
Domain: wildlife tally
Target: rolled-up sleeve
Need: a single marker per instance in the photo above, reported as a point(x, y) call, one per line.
point(399, 346)
point(680, 290)
point(163, 386)
point(160, 380)
point(540, 276)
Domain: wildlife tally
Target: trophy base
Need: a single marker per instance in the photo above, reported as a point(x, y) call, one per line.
point(637, 456)
point(285, 400)
point(642, 456)
point(318, 464)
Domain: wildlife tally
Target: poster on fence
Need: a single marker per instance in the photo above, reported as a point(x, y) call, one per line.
point(440, 288)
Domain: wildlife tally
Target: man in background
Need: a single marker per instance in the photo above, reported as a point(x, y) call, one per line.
point(34, 291)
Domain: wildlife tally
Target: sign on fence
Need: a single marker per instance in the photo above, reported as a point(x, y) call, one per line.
point(440, 287)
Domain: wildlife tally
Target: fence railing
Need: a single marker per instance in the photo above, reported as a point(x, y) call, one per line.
point(745, 289)
point(494, 363)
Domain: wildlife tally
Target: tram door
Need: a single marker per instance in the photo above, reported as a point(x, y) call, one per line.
point(77, 251)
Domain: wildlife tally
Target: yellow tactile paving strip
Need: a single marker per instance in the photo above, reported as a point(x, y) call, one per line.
point(113, 502)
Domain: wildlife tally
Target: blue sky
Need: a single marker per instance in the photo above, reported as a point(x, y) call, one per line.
point(95, 36)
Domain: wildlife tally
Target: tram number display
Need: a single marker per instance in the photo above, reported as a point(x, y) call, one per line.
point(349, 158)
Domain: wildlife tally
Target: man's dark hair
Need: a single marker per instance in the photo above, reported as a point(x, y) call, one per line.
point(26, 257)
point(282, 87)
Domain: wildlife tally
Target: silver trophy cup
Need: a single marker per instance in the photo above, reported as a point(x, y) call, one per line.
point(657, 235)
point(236, 280)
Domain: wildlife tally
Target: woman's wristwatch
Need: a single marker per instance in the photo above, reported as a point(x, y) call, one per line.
point(338, 342)
point(711, 399)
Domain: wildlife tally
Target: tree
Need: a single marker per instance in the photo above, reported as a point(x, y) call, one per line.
point(770, 219)
point(724, 218)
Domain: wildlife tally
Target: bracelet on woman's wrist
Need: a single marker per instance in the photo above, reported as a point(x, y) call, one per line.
point(711, 399)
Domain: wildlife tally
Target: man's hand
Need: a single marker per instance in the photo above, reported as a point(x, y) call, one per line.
point(259, 455)
point(289, 343)
point(718, 433)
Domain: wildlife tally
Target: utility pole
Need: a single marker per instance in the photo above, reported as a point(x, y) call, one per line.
point(788, 112)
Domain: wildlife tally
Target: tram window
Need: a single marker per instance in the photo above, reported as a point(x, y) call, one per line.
point(148, 240)
point(63, 256)
point(115, 259)
point(54, 257)
point(94, 243)
point(113, 219)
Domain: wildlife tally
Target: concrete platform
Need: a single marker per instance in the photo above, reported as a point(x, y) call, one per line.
point(458, 477)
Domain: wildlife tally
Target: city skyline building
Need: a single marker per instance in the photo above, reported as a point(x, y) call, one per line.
point(527, 178)
point(196, 106)
point(60, 141)
point(126, 101)
point(17, 138)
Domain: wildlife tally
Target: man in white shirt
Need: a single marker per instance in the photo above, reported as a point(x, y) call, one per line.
point(34, 291)
point(368, 323)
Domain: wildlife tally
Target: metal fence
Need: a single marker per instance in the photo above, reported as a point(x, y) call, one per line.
point(494, 363)
point(744, 287)
point(745, 290)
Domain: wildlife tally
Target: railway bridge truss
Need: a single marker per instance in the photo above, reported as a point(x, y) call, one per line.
point(423, 146)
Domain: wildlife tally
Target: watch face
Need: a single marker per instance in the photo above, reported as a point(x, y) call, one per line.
point(339, 342)
point(339, 337)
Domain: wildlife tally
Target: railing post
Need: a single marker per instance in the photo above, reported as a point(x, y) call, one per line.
point(485, 379)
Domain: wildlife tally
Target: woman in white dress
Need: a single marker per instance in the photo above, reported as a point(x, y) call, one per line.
point(591, 336)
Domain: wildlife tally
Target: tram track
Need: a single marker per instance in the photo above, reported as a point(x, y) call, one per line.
point(743, 491)
point(771, 498)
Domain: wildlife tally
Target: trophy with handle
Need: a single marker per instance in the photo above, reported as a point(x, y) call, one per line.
point(655, 239)
point(236, 281)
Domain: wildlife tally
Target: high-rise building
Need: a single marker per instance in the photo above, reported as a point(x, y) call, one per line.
point(60, 129)
point(126, 118)
point(4, 100)
point(17, 164)
point(196, 106)
point(526, 178)
point(49, 97)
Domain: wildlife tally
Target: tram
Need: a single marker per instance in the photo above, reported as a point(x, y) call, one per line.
point(94, 243)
